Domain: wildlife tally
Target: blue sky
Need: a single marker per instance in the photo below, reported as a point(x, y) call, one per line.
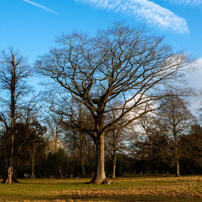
point(31, 25)
point(32, 29)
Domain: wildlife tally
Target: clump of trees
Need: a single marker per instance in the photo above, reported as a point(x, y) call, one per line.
point(111, 101)
point(164, 134)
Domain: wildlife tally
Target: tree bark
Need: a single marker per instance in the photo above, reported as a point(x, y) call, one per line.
point(100, 176)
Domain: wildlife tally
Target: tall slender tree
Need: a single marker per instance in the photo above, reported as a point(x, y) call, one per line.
point(177, 120)
point(13, 72)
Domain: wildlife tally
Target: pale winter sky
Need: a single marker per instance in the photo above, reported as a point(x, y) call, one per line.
point(31, 25)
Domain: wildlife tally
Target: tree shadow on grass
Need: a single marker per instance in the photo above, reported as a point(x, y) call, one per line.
point(120, 198)
point(115, 198)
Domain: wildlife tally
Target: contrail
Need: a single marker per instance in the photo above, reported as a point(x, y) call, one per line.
point(40, 6)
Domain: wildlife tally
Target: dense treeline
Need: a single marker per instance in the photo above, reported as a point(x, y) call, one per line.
point(145, 155)
point(113, 109)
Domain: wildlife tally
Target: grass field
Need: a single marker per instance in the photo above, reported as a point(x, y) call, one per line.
point(153, 188)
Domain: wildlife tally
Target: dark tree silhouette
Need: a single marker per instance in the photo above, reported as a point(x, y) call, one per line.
point(13, 72)
point(177, 120)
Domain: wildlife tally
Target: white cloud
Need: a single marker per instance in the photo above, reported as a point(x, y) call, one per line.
point(195, 76)
point(146, 10)
point(187, 2)
point(194, 81)
point(40, 6)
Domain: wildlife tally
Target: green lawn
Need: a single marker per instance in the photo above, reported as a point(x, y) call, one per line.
point(122, 189)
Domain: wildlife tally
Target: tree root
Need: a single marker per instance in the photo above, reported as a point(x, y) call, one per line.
point(105, 182)
point(14, 180)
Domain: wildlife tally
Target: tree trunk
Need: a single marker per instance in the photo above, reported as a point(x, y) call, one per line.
point(82, 160)
point(9, 176)
point(55, 143)
point(33, 175)
point(178, 168)
point(114, 155)
point(114, 166)
point(33, 160)
point(33, 154)
point(100, 176)
point(9, 173)
point(177, 157)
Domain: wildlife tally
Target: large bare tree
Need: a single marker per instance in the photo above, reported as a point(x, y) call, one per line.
point(13, 72)
point(120, 62)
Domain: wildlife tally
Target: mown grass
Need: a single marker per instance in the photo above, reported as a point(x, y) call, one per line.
point(122, 189)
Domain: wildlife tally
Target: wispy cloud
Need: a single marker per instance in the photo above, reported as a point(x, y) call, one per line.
point(145, 10)
point(40, 6)
point(187, 2)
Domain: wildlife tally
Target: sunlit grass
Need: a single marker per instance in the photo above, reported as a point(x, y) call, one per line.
point(121, 189)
